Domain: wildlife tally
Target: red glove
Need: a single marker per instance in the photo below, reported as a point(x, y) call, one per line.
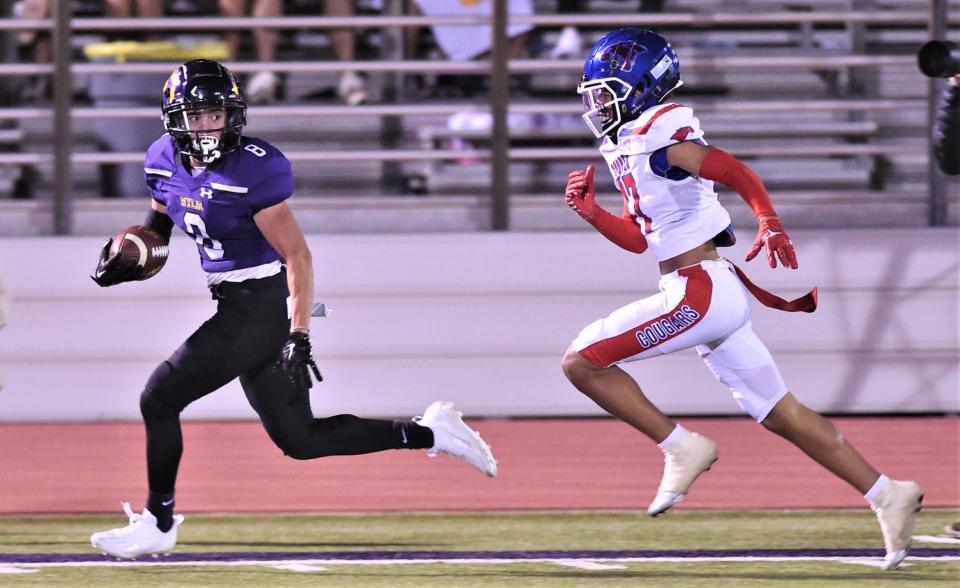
point(772, 235)
point(580, 193)
point(582, 198)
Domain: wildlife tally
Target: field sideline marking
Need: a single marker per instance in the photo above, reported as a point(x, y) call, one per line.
point(317, 564)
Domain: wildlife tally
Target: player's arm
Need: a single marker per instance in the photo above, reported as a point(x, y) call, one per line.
point(580, 195)
point(281, 230)
point(158, 221)
point(717, 165)
point(112, 270)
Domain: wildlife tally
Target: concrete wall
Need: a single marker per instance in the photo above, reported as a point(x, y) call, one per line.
point(482, 319)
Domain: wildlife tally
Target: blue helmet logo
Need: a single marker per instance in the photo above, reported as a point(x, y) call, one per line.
point(627, 72)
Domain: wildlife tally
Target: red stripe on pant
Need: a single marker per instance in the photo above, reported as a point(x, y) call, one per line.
point(699, 290)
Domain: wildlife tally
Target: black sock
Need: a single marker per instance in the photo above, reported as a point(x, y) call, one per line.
point(161, 506)
point(412, 435)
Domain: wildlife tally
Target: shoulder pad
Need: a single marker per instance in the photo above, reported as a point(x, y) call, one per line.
point(265, 170)
point(261, 158)
point(659, 127)
point(161, 157)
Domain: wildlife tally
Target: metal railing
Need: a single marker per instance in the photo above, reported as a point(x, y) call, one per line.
point(498, 67)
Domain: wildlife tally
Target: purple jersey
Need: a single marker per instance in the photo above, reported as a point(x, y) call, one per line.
point(216, 208)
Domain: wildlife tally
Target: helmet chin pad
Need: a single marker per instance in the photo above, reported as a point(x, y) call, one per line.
point(207, 144)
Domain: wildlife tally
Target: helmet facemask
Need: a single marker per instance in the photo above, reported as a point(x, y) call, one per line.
point(202, 140)
point(603, 101)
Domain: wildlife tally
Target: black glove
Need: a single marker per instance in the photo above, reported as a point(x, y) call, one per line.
point(296, 358)
point(112, 270)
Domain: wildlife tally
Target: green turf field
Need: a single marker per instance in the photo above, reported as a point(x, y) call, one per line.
point(694, 548)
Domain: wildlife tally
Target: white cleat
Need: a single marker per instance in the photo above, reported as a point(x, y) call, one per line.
point(684, 461)
point(452, 436)
point(140, 537)
point(897, 507)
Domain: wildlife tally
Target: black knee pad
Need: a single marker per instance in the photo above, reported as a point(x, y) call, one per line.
point(153, 406)
point(157, 401)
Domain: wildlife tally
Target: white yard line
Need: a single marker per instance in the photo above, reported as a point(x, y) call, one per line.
point(936, 539)
point(313, 564)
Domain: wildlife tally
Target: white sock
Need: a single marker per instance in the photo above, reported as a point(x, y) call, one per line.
point(874, 491)
point(678, 433)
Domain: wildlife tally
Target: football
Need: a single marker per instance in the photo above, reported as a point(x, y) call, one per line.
point(143, 245)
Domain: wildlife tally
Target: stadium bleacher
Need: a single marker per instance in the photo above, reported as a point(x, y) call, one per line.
point(824, 101)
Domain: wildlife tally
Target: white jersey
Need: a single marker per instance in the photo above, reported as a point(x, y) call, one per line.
point(461, 42)
point(675, 210)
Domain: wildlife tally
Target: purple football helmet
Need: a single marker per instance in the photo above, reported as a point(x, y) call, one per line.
point(197, 86)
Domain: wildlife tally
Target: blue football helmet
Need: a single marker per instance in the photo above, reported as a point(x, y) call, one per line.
point(627, 72)
point(196, 86)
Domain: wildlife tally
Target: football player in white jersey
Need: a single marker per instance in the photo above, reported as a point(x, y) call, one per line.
point(665, 171)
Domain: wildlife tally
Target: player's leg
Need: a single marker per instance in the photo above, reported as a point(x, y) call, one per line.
point(617, 393)
point(819, 438)
point(744, 364)
point(686, 455)
point(201, 365)
point(691, 308)
point(895, 502)
point(285, 411)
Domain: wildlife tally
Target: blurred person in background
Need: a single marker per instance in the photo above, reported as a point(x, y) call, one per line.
point(657, 155)
point(569, 41)
point(460, 43)
point(465, 42)
point(228, 192)
point(263, 87)
point(36, 45)
point(352, 87)
point(946, 134)
point(946, 147)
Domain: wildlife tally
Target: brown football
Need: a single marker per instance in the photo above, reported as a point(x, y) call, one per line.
point(144, 246)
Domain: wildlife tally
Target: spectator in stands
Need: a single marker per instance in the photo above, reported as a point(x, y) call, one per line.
point(263, 86)
point(352, 88)
point(35, 45)
point(946, 135)
point(570, 41)
point(460, 42)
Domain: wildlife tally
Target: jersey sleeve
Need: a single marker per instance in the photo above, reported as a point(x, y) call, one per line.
point(660, 127)
point(158, 166)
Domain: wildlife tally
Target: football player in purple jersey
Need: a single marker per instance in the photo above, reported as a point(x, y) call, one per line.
point(228, 192)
